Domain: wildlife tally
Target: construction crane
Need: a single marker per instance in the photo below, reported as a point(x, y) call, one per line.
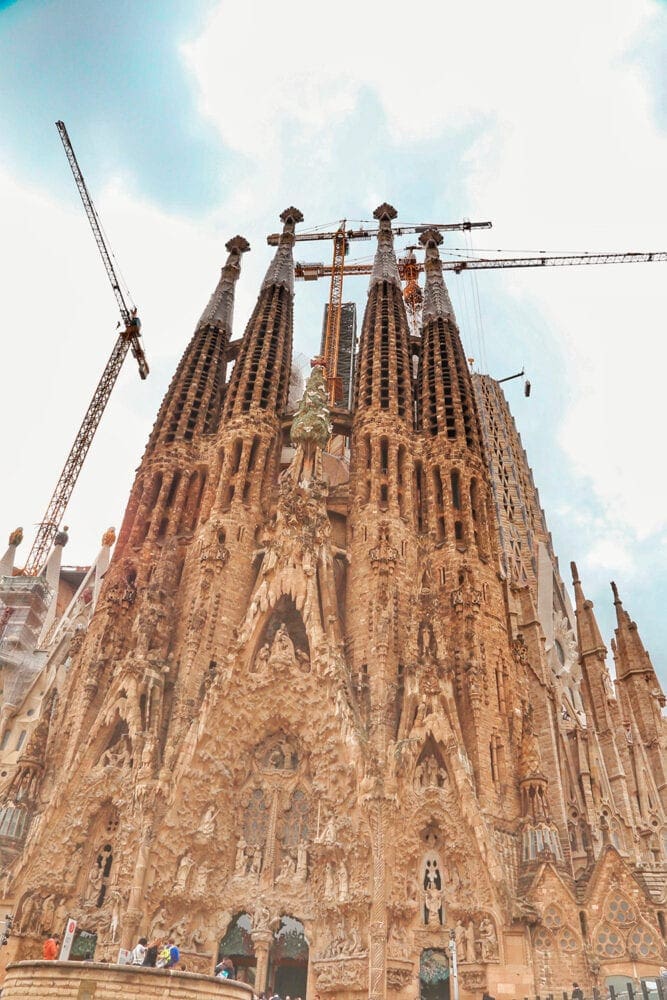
point(409, 268)
point(341, 238)
point(312, 271)
point(128, 340)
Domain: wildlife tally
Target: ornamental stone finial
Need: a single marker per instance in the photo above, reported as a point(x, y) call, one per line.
point(237, 244)
point(62, 538)
point(109, 537)
point(16, 537)
point(430, 236)
point(385, 211)
point(291, 216)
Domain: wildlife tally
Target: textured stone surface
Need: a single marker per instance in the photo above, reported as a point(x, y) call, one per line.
point(92, 981)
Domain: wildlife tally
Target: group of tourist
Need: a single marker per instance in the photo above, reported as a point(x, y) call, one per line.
point(160, 953)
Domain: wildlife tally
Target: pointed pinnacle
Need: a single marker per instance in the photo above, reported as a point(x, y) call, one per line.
point(291, 216)
point(385, 211)
point(237, 244)
point(430, 236)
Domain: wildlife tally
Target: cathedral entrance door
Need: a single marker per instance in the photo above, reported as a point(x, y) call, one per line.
point(237, 945)
point(288, 961)
point(433, 975)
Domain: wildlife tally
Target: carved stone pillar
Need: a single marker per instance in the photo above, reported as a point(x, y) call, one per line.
point(377, 937)
point(262, 944)
point(134, 911)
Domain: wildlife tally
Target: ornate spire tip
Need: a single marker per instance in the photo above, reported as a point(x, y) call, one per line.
point(291, 215)
point(385, 211)
point(430, 236)
point(237, 244)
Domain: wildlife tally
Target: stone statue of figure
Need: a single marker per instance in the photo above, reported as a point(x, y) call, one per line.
point(287, 869)
point(48, 910)
point(461, 939)
point(27, 912)
point(183, 872)
point(94, 883)
point(470, 936)
point(282, 650)
point(260, 918)
point(239, 864)
point(488, 939)
point(115, 917)
point(256, 862)
point(328, 835)
point(329, 889)
point(302, 861)
point(207, 825)
point(343, 886)
point(432, 902)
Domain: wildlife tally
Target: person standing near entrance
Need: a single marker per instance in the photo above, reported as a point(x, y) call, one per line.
point(577, 992)
point(50, 948)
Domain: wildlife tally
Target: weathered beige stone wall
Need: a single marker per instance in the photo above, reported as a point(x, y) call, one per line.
point(95, 981)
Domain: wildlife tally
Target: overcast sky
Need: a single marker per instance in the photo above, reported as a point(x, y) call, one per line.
point(194, 120)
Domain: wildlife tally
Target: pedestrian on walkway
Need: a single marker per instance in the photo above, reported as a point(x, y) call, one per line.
point(50, 948)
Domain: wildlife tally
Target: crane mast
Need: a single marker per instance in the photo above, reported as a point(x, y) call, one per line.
point(128, 339)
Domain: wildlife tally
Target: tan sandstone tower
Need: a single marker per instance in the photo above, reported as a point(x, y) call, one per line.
point(331, 716)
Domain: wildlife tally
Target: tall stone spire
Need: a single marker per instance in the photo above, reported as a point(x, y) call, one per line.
point(384, 381)
point(446, 403)
point(640, 693)
point(192, 402)
point(590, 638)
point(260, 379)
point(169, 486)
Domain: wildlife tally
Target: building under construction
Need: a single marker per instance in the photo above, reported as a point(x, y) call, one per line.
point(334, 715)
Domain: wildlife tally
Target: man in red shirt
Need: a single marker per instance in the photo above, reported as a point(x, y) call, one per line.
point(50, 949)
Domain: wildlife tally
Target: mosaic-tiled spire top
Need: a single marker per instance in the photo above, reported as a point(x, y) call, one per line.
point(384, 380)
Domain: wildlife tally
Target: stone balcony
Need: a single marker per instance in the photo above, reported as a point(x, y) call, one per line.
point(98, 981)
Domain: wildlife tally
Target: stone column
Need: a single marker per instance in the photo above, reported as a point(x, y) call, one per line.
point(134, 911)
point(262, 941)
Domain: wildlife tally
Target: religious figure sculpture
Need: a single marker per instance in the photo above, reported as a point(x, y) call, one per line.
point(94, 884)
point(488, 940)
point(183, 872)
point(240, 863)
point(256, 862)
point(432, 905)
point(287, 869)
point(207, 825)
point(46, 919)
point(470, 936)
point(329, 889)
point(342, 882)
point(302, 861)
point(461, 939)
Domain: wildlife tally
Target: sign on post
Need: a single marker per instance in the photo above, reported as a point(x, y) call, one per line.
point(66, 946)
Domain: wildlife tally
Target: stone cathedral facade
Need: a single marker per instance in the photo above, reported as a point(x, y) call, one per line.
point(334, 709)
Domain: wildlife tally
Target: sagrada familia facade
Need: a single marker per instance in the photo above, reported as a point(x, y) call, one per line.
point(334, 715)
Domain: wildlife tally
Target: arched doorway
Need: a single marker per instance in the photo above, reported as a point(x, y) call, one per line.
point(433, 975)
point(288, 960)
point(237, 945)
